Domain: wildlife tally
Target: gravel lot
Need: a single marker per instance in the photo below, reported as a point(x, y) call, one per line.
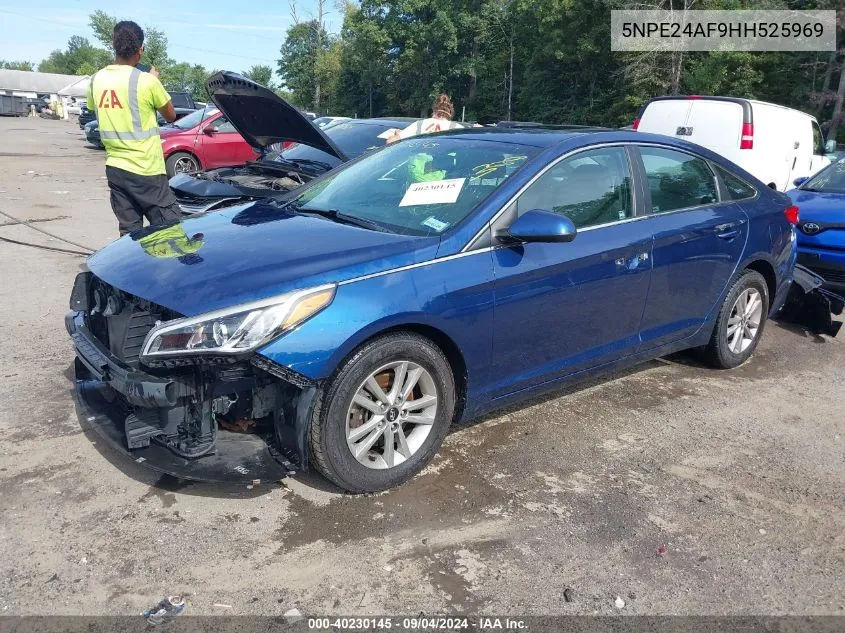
point(740, 475)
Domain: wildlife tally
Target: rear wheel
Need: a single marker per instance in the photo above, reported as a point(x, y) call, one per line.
point(180, 163)
point(384, 414)
point(740, 323)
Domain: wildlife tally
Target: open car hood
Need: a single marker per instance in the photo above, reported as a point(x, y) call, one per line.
point(262, 117)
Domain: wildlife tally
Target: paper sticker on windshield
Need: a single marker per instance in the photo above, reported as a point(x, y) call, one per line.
point(434, 223)
point(434, 192)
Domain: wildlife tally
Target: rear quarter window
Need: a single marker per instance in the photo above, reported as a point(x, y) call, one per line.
point(736, 188)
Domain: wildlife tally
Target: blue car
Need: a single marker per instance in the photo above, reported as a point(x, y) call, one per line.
point(821, 235)
point(346, 325)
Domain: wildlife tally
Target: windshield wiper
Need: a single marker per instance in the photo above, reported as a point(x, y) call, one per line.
point(334, 214)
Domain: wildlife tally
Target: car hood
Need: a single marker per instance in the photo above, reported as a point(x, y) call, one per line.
point(262, 117)
point(245, 253)
point(815, 206)
point(188, 185)
point(171, 130)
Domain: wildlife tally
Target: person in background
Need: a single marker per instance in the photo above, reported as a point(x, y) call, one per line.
point(125, 99)
point(442, 112)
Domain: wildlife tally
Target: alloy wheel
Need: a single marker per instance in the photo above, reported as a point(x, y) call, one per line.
point(744, 322)
point(184, 165)
point(391, 415)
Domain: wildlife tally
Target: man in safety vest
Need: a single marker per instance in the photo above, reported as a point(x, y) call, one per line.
point(125, 100)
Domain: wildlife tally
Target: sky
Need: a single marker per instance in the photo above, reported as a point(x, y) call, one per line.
point(219, 34)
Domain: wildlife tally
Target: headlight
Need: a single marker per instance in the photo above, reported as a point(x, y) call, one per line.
point(236, 330)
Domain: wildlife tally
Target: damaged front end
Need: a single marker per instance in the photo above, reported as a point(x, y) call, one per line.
point(220, 418)
point(811, 306)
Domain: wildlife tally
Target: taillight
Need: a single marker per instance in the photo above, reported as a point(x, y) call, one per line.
point(635, 124)
point(791, 214)
point(747, 140)
point(693, 96)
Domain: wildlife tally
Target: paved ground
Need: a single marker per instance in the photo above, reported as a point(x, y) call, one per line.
point(740, 475)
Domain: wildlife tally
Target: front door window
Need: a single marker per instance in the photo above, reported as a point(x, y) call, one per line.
point(591, 188)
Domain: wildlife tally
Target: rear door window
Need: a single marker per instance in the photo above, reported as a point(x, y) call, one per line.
point(677, 180)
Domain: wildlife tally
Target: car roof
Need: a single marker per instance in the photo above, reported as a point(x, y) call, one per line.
point(542, 137)
point(535, 136)
point(394, 121)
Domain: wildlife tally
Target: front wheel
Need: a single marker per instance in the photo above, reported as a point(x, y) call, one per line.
point(740, 323)
point(181, 163)
point(384, 414)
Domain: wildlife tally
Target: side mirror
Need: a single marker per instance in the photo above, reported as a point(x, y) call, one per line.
point(830, 146)
point(210, 129)
point(800, 181)
point(539, 225)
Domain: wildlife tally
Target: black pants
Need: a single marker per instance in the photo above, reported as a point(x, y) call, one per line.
point(135, 197)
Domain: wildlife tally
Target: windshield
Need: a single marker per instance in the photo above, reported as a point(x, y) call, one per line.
point(420, 186)
point(353, 138)
point(831, 179)
point(194, 118)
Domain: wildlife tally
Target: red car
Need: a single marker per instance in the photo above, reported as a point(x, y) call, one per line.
point(203, 140)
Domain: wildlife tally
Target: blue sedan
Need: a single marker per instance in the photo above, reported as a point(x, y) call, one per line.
point(821, 238)
point(345, 326)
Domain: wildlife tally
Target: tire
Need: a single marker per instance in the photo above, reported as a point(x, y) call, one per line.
point(724, 350)
point(337, 417)
point(179, 162)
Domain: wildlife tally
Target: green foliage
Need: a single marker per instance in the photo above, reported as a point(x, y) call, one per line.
point(79, 58)
point(155, 49)
point(103, 26)
point(327, 72)
point(363, 64)
point(260, 74)
point(16, 65)
point(725, 73)
point(540, 60)
point(299, 56)
point(186, 77)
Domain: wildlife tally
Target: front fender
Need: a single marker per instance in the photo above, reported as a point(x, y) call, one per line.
point(453, 295)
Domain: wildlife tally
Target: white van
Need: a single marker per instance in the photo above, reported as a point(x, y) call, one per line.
point(774, 143)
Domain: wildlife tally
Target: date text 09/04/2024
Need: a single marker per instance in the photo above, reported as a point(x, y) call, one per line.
point(419, 623)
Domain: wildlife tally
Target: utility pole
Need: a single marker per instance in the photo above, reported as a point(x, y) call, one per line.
point(317, 49)
point(837, 108)
point(510, 78)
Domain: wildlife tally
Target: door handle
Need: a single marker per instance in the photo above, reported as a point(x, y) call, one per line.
point(633, 263)
point(727, 231)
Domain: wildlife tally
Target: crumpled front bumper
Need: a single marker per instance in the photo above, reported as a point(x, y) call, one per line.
point(810, 305)
point(105, 392)
point(138, 388)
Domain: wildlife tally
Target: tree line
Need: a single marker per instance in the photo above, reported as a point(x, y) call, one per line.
point(536, 60)
point(529, 60)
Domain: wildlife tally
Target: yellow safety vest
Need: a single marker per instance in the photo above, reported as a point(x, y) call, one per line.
point(125, 101)
point(170, 242)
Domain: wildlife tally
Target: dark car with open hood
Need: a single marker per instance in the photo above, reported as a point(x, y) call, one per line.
point(267, 122)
